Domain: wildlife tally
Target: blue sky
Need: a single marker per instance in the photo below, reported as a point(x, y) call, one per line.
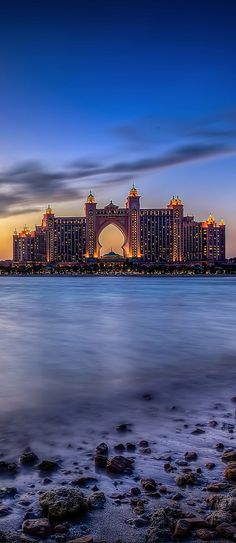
point(101, 93)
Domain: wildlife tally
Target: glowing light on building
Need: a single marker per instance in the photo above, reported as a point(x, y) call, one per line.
point(154, 235)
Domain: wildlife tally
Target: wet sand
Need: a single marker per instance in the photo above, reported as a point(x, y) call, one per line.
point(161, 476)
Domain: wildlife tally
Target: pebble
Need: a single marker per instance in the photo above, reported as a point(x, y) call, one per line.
point(39, 527)
point(230, 472)
point(149, 485)
point(190, 456)
point(229, 456)
point(119, 464)
point(28, 457)
point(48, 465)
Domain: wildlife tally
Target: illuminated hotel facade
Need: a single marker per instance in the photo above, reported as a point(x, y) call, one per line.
point(150, 235)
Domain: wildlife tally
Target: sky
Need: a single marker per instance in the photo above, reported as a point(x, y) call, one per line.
point(103, 93)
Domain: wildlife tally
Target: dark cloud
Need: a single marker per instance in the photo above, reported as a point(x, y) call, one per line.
point(142, 132)
point(27, 186)
point(149, 131)
point(220, 127)
point(216, 133)
point(181, 155)
point(85, 164)
point(13, 203)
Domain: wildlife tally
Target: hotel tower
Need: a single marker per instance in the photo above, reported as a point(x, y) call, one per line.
point(163, 235)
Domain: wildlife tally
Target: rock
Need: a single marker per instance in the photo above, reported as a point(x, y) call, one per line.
point(213, 423)
point(166, 458)
point(229, 456)
point(177, 497)
point(198, 431)
point(160, 530)
point(227, 530)
point(140, 521)
point(123, 427)
point(11, 537)
point(4, 510)
point(181, 463)
point(82, 539)
point(130, 447)
point(47, 481)
point(149, 485)
point(143, 444)
point(185, 525)
point(228, 503)
point(168, 467)
point(8, 492)
point(181, 480)
point(101, 455)
point(63, 503)
point(84, 481)
point(119, 464)
point(48, 465)
point(186, 479)
point(147, 450)
point(233, 399)
point(222, 502)
point(147, 397)
point(210, 465)
point(230, 471)
point(218, 517)
point(28, 457)
point(190, 456)
point(163, 489)
point(135, 491)
point(8, 467)
point(39, 527)
point(100, 461)
point(117, 496)
point(94, 488)
point(102, 449)
point(219, 446)
point(120, 447)
point(182, 528)
point(61, 528)
point(138, 505)
point(205, 535)
point(216, 487)
point(30, 515)
point(24, 502)
point(227, 426)
point(96, 500)
point(139, 510)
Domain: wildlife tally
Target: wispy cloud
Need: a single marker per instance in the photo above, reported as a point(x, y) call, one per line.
point(147, 131)
point(29, 185)
point(175, 156)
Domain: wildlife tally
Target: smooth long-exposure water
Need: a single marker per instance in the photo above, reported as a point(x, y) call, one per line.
point(77, 357)
point(83, 350)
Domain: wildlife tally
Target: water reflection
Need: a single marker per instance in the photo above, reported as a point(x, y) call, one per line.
point(87, 347)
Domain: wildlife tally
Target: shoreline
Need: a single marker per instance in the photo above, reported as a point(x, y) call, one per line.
point(148, 275)
point(176, 483)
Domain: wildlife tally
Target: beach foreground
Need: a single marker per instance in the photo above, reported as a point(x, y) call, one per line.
point(117, 410)
point(173, 485)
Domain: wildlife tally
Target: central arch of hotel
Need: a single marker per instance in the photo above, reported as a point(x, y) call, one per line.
point(119, 222)
point(126, 219)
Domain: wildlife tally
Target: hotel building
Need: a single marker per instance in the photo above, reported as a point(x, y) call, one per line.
point(150, 235)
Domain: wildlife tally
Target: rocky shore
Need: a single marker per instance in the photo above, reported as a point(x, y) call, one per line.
point(127, 488)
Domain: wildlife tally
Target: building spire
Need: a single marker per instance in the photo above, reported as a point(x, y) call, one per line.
point(133, 191)
point(90, 198)
point(49, 210)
